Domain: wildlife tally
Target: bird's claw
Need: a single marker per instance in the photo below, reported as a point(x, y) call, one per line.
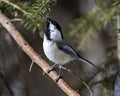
point(58, 78)
point(60, 73)
point(49, 70)
point(53, 68)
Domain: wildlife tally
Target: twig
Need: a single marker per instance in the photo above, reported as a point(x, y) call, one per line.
point(118, 37)
point(31, 66)
point(15, 19)
point(38, 11)
point(90, 90)
point(14, 5)
point(34, 56)
point(86, 85)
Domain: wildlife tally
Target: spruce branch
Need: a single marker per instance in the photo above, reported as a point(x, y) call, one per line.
point(5, 22)
point(90, 24)
point(40, 8)
point(33, 16)
point(117, 81)
point(37, 12)
point(118, 35)
point(15, 6)
point(15, 19)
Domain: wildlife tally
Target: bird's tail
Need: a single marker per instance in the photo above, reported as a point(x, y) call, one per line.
point(86, 61)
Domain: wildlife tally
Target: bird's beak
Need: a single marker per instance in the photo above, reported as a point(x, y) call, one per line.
point(48, 20)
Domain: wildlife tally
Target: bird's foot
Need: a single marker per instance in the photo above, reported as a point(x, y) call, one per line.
point(60, 73)
point(58, 78)
point(52, 68)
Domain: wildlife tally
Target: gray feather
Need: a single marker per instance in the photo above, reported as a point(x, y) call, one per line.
point(69, 50)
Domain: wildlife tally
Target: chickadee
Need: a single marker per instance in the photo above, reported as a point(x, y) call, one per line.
point(56, 49)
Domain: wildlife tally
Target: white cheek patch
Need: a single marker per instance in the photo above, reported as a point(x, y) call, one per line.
point(54, 33)
point(52, 27)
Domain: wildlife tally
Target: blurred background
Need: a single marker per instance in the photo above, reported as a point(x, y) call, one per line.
point(90, 26)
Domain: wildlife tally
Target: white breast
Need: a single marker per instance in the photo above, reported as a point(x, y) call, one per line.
point(54, 54)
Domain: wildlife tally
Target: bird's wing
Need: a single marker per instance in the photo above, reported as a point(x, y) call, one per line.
point(63, 46)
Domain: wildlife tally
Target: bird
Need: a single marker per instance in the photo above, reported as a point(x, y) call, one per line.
point(57, 49)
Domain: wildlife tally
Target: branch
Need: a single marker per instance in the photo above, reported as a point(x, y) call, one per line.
point(15, 6)
point(15, 19)
point(38, 11)
point(118, 38)
point(34, 56)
